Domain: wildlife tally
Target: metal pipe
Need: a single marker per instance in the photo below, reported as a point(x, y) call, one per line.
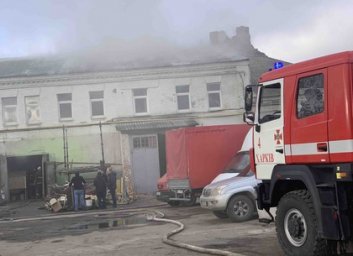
point(91, 163)
point(64, 144)
point(102, 145)
point(67, 149)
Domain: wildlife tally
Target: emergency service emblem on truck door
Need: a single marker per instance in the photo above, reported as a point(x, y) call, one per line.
point(269, 149)
point(278, 137)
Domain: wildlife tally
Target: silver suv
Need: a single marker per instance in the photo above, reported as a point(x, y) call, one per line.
point(232, 197)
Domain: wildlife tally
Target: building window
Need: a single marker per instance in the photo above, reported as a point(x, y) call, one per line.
point(97, 106)
point(310, 98)
point(214, 95)
point(140, 100)
point(65, 108)
point(144, 142)
point(32, 109)
point(9, 110)
point(183, 97)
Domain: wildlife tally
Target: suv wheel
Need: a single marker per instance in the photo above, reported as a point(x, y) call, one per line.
point(241, 208)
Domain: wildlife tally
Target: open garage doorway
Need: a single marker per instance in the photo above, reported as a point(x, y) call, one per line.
point(26, 177)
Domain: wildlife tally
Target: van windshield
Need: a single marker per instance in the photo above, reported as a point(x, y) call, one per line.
point(240, 163)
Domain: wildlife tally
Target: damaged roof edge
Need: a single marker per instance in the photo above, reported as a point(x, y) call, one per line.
point(12, 69)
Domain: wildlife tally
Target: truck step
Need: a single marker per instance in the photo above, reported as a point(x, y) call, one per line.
point(325, 185)
point(265, 221)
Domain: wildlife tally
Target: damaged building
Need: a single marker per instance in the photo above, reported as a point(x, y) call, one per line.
point(59, 114)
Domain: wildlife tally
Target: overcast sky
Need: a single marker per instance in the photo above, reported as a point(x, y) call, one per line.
point(289, 30)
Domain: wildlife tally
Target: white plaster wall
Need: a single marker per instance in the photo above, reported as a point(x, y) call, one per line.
point(118, 98)
point(224, 120)
point(164, 94)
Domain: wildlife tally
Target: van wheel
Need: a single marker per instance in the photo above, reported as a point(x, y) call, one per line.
point(240, 208)
point(174, 203)
point(296, 225)
point(220, 214)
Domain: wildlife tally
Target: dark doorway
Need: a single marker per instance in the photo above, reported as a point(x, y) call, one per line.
point(26, 177)
point(162, 154)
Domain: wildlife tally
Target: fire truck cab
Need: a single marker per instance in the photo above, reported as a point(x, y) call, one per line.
point(303, 152)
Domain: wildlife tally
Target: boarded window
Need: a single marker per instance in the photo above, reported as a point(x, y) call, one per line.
point(65, 108)
point(9, 110)
point(32, 109)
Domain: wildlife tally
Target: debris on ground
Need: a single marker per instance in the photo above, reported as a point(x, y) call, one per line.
point(55, 205)
point(62, 194)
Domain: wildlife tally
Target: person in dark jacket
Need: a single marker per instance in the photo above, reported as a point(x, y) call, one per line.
point(78, 184)
point(101, 189)
point(111, 183)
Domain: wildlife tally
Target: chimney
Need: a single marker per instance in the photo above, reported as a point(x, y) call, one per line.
point(218, 38)
point(242, 35)
point(242, 41)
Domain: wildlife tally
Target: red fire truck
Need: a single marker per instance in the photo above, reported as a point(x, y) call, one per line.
point(303, 152)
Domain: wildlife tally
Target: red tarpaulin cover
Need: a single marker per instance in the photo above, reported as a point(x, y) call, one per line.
point(200, 153)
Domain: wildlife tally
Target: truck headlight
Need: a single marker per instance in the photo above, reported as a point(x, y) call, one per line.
point(218, 191)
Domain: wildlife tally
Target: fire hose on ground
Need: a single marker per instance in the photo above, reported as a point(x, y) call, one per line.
point(152, 216)
point(166, 238)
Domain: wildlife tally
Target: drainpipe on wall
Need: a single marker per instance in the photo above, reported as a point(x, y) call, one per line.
point(102, 162)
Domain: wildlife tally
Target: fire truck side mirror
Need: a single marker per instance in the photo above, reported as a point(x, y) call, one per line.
point(248, 98)
point(249, 117)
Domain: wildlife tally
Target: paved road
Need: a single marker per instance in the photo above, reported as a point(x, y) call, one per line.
point(129, 233)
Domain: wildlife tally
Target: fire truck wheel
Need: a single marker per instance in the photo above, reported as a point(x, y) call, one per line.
point(296, 225)
point(174, 203)
point(240, 208)
point(220, 214)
